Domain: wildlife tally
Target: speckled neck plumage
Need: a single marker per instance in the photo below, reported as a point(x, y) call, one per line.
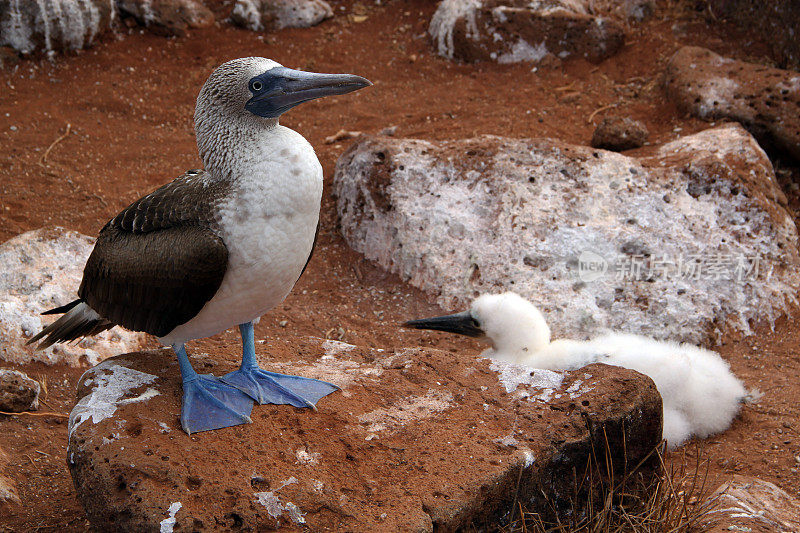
point(228, 136)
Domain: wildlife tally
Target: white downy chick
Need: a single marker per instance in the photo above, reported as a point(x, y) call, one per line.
point(700, 394)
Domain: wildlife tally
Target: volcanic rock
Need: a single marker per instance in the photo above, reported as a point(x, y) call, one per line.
point(750, 504)
point(168, 17)
point(53, 25)
point(8, 489)
point(40, 270)
point(764, 99)
point(680, 244)
point(633, 10)
point(416, 440)
point(18, 392)
point(619, 133)
point(271, 15)
point(509, 31)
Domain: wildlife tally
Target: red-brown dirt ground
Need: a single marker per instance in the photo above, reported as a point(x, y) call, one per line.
point(129, 102)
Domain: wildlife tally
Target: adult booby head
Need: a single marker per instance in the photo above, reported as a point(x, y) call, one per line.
point(217, 247)
point(700, 394)
point(246, 96)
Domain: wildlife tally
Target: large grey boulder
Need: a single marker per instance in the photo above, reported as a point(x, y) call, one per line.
point(417, 440)
point(509, 31)
point(765, 100)
point(680, 244)
point(40, 270)
point(53, 25)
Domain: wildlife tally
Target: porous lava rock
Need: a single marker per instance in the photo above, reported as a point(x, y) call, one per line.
point(619, 133)
point(271, 15)
point(18, 392)
point(168, 17)
point(747, 503)
point(764, 99)
point(509, 31)
point(40, 270)
point(625, 10)
point(53, 25)
point(682, 243)
point(416, 440)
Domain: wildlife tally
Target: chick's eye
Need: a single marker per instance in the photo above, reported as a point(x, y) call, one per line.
point(475, 323)
point(257, 86)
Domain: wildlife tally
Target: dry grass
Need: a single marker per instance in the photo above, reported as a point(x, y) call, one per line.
point(674, 502)
point(42, 379)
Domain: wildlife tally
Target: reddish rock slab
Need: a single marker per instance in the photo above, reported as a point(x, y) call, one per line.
point(417, 440)
point(747, 503)
point(765, 100)
point(509, 31)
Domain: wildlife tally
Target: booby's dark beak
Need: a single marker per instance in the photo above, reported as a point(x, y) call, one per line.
point(280, 89)
point(460, 323)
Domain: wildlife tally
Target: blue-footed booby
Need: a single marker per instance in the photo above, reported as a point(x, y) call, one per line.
point(700, 394)
point(218, 247)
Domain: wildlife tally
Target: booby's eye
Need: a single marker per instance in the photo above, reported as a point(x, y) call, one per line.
point(257, 86)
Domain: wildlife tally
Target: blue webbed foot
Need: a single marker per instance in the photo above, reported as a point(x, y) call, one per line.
point(270, 387)
point(208, 403)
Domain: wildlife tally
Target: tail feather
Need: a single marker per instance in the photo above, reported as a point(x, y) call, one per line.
point(63, 309)
point(79, 321)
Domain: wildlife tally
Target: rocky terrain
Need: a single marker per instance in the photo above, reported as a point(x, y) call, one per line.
point(464, 169)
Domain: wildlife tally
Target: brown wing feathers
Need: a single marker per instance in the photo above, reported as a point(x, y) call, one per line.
point(153, 281)
point(153, 267)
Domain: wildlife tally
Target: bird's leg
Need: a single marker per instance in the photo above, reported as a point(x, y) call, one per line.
point(270, 387)
point(208, 403)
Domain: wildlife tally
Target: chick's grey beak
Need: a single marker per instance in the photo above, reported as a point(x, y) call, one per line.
point(460, 323)
point(280, 89)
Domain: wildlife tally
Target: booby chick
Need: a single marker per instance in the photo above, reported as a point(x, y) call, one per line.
point(700, 394)
point(219, 247)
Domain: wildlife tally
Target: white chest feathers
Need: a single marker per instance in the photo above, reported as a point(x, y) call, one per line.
point(268, 224)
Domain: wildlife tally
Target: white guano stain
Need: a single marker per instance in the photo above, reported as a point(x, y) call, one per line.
point(276, 508)
point(405, 411)
point(333, 348)
point(112, 382)
point(168, 523)
point(512, 375)
point(304, 457)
